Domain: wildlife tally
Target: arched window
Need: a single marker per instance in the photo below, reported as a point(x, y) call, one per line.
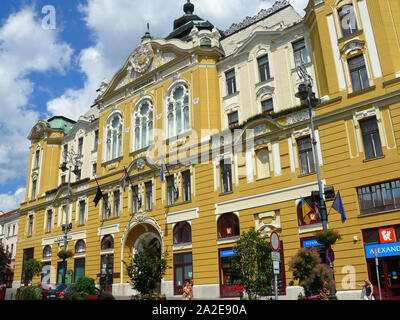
point(107, 243)
point(80, 246)
point(143, 124)
point(47, 252)
point(307, 212)
point(228, 226)
point(114, 137)
point(178, 115)
point(182, 233)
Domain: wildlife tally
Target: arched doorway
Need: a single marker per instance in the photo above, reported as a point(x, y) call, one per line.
point(136, 233)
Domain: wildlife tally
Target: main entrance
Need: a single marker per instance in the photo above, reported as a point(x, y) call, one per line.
point(389, 277)
point(138, 232)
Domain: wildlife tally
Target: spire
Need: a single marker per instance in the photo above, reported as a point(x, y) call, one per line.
point(188, 8)
point(147, 34)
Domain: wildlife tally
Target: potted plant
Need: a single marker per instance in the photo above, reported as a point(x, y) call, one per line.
point(64, 254)
point(327, 237)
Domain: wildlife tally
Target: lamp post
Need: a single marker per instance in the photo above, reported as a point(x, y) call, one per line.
point(305, 93)
point(71, 160)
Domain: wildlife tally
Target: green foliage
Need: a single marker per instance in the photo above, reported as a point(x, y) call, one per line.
point(252, 264)
point(147, 268)
point(64, 254)
point(5, 260)
point(29, 293)
point(32, 268)
point(312, 275)
point(83, 287)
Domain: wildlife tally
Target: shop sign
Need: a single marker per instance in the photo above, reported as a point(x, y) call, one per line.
point(310, 243)
point(384, 250)
point(226, 253)
point(387, 235)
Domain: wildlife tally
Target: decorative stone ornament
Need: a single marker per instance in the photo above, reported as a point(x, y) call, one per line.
point(142, 58)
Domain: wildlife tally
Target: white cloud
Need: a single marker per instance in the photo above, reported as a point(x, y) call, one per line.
point(9, 202)
point(25, 47)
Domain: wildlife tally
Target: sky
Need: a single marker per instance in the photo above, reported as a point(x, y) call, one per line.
point(55, 53)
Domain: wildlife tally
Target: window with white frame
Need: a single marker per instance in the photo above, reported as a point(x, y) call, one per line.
point(178, 110)
point(230, 82)
point(30, 225)
point(371, 138)
point(306, 156)
point(358, 73)
point(263, 68)
point(348, 22)
point(82, 208)
point(300, 52)
point(49, 220)
point(114, 137)
point(143, 124)
point(117, 199)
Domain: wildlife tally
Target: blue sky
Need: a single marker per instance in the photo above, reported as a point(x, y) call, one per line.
point(46, 71)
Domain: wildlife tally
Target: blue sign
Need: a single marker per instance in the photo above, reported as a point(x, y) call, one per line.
point(226, 253)
point(384, 250)
point(310, 243)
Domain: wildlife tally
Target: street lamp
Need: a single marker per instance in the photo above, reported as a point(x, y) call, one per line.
point(71, 160)
point(305, 93)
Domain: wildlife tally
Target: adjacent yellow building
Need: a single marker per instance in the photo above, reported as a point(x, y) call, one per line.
point(208, 129)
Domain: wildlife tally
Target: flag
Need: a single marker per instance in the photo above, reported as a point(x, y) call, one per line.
point(162, 171)
point(98, 196)
point(338, 206)
point(306, 210)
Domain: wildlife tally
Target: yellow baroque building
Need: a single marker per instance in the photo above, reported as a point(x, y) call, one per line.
point(200, 137)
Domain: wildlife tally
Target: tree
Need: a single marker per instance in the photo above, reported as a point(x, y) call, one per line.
point(252, 264)
point(32, 268)
point(147, 267)
point(5, 260)
point(312, 274)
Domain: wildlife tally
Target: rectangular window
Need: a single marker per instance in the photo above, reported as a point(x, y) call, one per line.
point(34, 185)
point(30, 226)
point(135, 199)
point(300, 52)
point(379, 197)
point(49, 220)
point(186, 188)
point(306, 156)
point(233, 119)
point(358, 73)
point(170, 190)
point(80, 146)
point(226, 175)
point(263, 68)
point(149, 195)
point(82, 212)
point(267, 106)
point(348, 20)
point(371, 138)
point(96, 140)
point(63, 179)
point(79, 268)
point(106, 207)
point(65, 152)
point(183, 270)
point(230, 82)
point(94, 169)
point(37, 158)
point(117, 198)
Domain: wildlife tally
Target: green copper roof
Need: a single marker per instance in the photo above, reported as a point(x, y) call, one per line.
point(59, 122)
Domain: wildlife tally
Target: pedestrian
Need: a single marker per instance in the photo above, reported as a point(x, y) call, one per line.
point(191, 283)
point(186, 290)
point(368, 290)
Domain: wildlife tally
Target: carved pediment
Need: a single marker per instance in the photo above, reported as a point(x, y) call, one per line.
point(38, 131)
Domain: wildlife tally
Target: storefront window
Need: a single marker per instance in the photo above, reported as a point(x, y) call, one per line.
point(227, 277)
point(183, 270)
